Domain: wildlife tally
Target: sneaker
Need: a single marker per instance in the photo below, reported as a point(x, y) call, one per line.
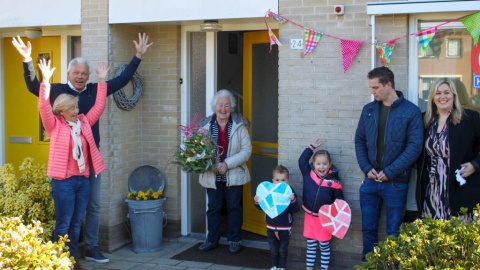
point(206, 246)
point(273, 268)
point(94, 254)
point(235, 247)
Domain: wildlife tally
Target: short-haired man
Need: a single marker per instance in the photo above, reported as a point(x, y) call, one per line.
point(388, 140)
point(78, 74)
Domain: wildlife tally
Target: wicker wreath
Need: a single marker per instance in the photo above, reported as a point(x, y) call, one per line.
point(128, 103)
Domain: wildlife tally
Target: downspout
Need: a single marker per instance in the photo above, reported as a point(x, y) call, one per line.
point(372, 24)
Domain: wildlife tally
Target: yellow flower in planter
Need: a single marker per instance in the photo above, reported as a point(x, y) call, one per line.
point(145, 196)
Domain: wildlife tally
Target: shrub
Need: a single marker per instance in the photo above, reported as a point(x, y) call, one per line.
point(28, 197)
point(430, 244)
point(21, 247)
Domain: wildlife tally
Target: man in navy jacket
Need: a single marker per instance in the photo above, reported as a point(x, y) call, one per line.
point(388, 140)
point(78, 74)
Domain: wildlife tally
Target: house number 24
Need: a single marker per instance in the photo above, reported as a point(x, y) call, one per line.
point(296, 44)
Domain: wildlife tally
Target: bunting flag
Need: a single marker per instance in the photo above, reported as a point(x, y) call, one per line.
point(312, 37)
point(350, 49)
point(472, 23)
point(425, 36)
point(277, 17)
point(436, 43)
point(385, 51)
point(273, 38)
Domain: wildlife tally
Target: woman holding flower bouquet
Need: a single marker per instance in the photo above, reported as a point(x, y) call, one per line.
point(226, 181)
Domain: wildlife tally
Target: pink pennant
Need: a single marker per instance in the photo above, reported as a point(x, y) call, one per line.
point(350, 49)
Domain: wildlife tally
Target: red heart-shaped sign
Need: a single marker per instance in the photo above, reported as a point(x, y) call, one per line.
point(335, 218)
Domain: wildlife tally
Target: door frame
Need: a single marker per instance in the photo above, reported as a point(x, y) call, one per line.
point(211, 78)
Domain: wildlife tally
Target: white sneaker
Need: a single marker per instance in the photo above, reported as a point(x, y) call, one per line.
point(273, 268)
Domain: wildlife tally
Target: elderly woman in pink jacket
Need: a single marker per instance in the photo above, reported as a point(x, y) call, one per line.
point(73, 153)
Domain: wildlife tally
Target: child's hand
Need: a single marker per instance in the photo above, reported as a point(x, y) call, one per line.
point(317, 142)
point(291, 197)
point(256, 199)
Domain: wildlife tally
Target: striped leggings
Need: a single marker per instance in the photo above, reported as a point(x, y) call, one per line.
point(312, 253)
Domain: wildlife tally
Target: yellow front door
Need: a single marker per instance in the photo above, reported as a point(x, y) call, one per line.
point(260, 106)
point(23, 135)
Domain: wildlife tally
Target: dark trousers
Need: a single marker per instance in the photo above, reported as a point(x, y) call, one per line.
point(279, 247)
point(233, 196)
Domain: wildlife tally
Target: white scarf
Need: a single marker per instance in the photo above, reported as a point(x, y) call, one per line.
point(75, 130)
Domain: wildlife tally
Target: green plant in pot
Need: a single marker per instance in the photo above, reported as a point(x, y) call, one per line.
point(430, 244)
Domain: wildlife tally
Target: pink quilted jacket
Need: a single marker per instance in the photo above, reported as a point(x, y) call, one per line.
point(61, 139)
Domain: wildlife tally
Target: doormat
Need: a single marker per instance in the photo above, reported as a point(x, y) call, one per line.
point(247, 257)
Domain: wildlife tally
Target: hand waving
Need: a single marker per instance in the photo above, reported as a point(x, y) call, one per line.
point(24, 50)
point(44, 66)
point(141, 45)
point(102, 71)
point(317, 142)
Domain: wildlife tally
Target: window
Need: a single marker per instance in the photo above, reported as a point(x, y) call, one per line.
point(448, 56)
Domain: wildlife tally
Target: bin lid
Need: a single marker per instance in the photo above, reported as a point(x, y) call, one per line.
point(144, 178)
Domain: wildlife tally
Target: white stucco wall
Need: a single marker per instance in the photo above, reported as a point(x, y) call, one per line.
point(127, 11)
point(16, 13)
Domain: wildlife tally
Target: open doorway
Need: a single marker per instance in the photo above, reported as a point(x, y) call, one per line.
point(258, 101)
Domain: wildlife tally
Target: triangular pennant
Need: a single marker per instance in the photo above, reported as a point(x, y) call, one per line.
point(385, 51)
point(472, 23)
point(277, 17)
point(425, 36)
point(312, 37)
point(436, 43)
point(350, 49)
point(273, 39)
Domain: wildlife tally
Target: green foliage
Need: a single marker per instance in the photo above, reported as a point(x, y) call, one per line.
point(197, 152)
point(28, 197)
point(22, 248)
point(430, 244)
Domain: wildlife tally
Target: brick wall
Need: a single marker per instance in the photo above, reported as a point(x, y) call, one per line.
point(145, 135)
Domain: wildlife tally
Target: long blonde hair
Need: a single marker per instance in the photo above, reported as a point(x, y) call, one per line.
point(64, 102)
point(431, 112)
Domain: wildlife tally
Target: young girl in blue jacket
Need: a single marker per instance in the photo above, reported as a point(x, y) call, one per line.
point(321, 185)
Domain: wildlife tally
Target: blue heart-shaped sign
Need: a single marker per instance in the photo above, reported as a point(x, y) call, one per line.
point(273, 197)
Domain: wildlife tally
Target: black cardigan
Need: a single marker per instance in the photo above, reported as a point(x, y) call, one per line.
point(464, 143)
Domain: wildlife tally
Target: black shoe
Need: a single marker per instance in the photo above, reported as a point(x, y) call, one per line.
point(94, 254)
point(206, 246)
point(235, 247)
point(410, 216)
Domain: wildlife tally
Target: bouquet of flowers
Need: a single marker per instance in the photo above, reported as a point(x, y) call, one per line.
point(197, 152)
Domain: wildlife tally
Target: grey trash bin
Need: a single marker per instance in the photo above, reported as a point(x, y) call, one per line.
point(146, 217)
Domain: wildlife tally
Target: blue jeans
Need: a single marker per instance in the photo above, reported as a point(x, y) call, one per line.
point(70, 197)
point(279, 248)
point(92, 218)
point(233, 197)
point(372, 196)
